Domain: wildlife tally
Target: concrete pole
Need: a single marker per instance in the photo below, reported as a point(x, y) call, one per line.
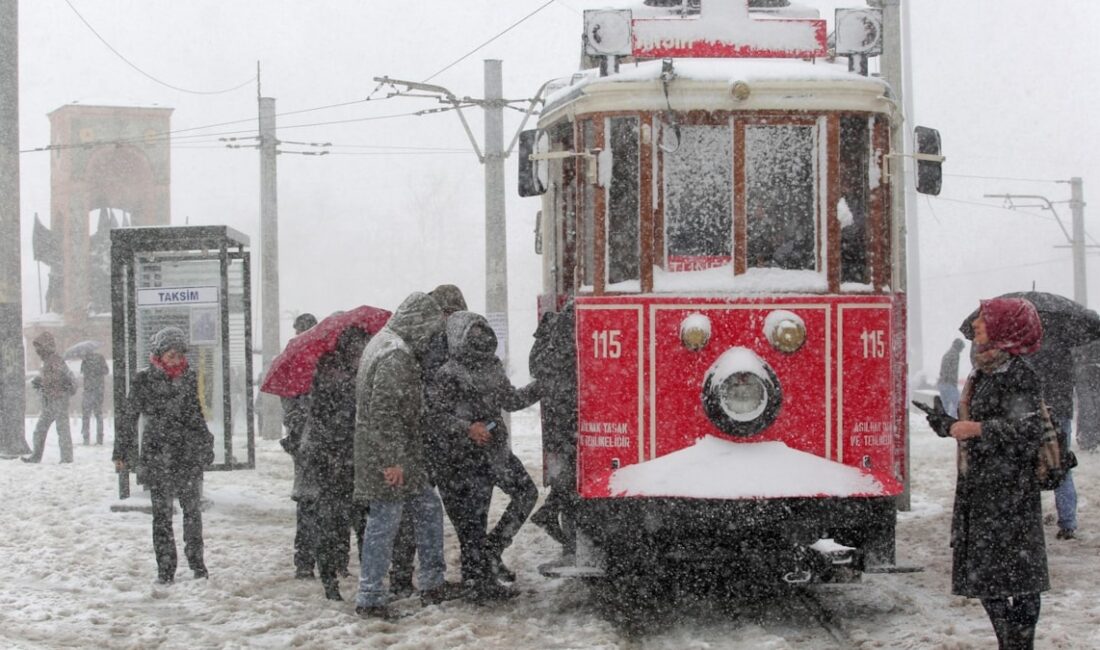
point(916, 316)
point(1080, 277)
point(496, 241)
point(892, 72)
point(13, 406)
point(271, 412)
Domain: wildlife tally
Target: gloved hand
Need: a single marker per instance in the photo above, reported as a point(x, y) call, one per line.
point(937, 417)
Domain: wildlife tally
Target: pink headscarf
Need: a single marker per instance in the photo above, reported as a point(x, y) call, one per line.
point(1012, 325)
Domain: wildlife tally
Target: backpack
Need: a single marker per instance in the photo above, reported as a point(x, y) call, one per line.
point(1055, 459)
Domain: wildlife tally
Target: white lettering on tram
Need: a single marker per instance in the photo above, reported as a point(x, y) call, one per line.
point(605, 434)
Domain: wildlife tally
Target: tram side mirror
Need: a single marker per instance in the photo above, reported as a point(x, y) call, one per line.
point(533, 174)
point(929, 161)
point(538, 233)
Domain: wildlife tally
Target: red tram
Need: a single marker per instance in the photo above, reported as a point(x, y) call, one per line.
point(717, 203)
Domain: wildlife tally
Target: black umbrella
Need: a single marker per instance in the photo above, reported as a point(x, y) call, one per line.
point(1066, 324)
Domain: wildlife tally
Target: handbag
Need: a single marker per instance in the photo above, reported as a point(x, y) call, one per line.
point(1054, 460)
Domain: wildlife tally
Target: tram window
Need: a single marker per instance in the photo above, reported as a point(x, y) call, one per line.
point(698, 214)
point(779, 196)
point(855, 151)
point(622, 204)
point(588, 211)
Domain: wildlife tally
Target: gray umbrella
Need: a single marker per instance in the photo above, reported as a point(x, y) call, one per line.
point(78, 350)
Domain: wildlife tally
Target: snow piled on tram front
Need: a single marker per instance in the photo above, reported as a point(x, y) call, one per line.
point(713, 468)
point(721, 279)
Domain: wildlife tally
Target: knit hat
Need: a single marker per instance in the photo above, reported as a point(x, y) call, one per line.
point(169, 338)
point(303, 322)
point(45, 344)
point(1012, 325)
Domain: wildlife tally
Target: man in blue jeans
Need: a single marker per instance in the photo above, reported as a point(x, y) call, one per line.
point(1065, 495)
point(390, 468)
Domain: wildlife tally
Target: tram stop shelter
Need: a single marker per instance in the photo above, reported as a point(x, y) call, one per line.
point(196, 278)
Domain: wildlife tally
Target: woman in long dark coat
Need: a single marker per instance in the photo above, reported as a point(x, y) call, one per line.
point(176, 445)
point(328, 452)
point(997, 531)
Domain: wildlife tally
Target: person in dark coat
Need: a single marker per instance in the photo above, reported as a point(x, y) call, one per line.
point(296, 418)
point(328, 451)
point(553, 362)
point(469, 449)
point(94, 371)
point(450, 299)
point(948, 382)
point(390, 467)
point(176, 445)
point(55, 386)
point(999, 554)
point(1055, 367)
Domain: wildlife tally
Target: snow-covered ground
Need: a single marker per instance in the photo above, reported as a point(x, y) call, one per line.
point(75, 574)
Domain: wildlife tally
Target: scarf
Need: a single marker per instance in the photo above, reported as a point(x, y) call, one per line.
point(173, 372)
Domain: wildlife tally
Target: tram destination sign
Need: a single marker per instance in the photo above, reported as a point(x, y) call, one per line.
point(722, 29)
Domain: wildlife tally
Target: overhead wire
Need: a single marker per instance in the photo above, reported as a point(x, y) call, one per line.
point(146, 74)
point(1006, 178)
point(471, 52)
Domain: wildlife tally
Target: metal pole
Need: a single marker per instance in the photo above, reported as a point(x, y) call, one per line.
point(496, 244)
point(1077, 205)
point(271, 413)
point(13, 407)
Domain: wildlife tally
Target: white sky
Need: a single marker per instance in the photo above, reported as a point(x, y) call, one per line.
point(1007, 82)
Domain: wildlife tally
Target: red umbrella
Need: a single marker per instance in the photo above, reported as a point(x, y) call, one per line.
point(291, 372)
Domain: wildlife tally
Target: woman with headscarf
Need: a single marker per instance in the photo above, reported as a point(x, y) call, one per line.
point(996, 532)
point(176, 446)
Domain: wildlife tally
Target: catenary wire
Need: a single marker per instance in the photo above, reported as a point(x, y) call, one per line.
point(146, 74)
point(471, 52)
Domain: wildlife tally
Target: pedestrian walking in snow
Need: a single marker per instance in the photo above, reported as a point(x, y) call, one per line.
point(327, 454)
point(176, 446)
point(390, 470)
point(999, 554)
point(93, 372)
point(55, 385)
point(948, 383)
point(468, 442)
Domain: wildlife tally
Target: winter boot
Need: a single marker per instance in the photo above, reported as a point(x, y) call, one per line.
point(498, 569)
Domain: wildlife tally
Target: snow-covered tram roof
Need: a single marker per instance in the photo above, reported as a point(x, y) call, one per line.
point(708, 84)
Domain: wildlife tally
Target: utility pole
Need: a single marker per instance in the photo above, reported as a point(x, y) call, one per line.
point(13, 406)
point(1076, 240)
point(496, 241)
point(271, 413)
point(496, 244)
point(1077, 206)
point(891, 67)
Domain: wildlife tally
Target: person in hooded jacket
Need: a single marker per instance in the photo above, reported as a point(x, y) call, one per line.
point(470, 451)
point(55, 386)
point(176, 445)
point(999, 554)
point(94, 371)
point(327, 453)
point(553, 362)
point(390, 469)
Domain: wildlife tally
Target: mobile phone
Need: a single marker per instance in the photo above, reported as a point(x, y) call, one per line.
point(924, 407)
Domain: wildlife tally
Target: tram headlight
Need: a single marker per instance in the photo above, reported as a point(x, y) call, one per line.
point(743, 396)
point(695, 332)
point(741, 393)
point(785, 330)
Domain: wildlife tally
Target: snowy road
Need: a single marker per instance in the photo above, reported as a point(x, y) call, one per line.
point(74, 574)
